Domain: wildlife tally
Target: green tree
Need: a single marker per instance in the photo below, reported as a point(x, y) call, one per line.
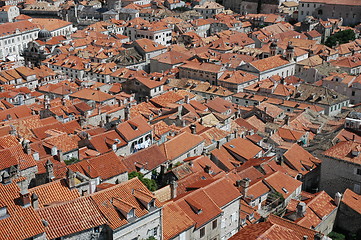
point(336, 236)
point(149, 183)
point(340, 37)
point(71, 161)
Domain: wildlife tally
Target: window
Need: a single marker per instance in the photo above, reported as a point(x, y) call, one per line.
point(202, 232)
point(130, 214)
point(214, 224)
point(353, 93)
point(358, 171)
point(96, 229)
point(233, 217)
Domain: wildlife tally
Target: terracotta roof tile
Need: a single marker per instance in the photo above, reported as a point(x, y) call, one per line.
point(14, 227)
point(133, 128)
point(199, 207)
point(79, 215)
point(104, 166)
point(352, 200)
point(54, 192)
point(243, 148)
point(180, 144)
point(123, 191)
point(176, 220)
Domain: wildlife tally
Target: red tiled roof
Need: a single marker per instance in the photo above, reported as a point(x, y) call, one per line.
point(180, 144)
point(352, 200)
point(54, 192)
point(269, 63)
point(282, 183)
point(104, 166)
point(123, 191)
point(22, 223)
point(90, 94)
point(243, 148)
point(149, 158)
point(343, 150)
point(199, 207)
point(175, 219)
point(133, 128)
point(79, 215)
point(103, 142)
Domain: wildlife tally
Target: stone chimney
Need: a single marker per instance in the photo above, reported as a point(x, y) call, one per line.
point(287, 120)
point(126, 113)
point(245, 185)
point(186, 99)
point(60, 156)
point(54, 151)
point(70, 178)
point(34, 201)
point(27, 147)
point(193, 128)
point(338, 198)
point(301, 209)
point(49, 170)
point(13, 130)
point(173, 189)
point(6, 179)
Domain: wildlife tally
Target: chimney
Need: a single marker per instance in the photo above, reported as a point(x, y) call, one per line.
point(36, 156)
point(338, 198)
point(27, 148)
point(183, 122)
point(245, 185)
point(6, 178)
point(13, 130)
point(193, 128)
point(146, 99)
point(49, 170)
point(34, 201)
point(207, 169)
point(186, 99)
point(301, 209)
point(190, 163)
point(126, 113)
point(305, 237)
point(54, 151)
point(173, 189)
point(24, 194)
point(60, 156)
point(238, 183)
point(287, 120)
point(318, 236)
point(70, 178)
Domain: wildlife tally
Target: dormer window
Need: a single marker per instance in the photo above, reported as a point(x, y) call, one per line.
point(4, 212)
point(131, 214)
point(151, 204)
